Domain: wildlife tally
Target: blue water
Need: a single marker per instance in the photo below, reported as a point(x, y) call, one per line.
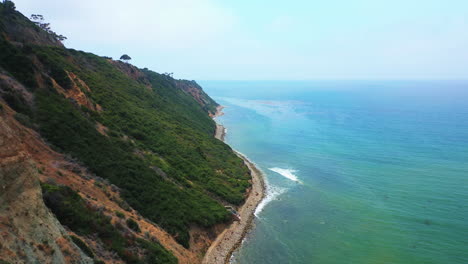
point(369, 171)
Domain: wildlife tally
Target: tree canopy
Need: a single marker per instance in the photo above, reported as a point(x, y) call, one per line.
point(125, 57)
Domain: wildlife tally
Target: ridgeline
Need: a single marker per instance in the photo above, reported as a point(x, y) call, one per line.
point(125, 156)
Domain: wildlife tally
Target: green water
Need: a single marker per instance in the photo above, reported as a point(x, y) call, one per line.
point(381, 168)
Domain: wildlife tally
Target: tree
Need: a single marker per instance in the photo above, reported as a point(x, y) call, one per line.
point(39, 21)
point(60, 37)
point(125, 58)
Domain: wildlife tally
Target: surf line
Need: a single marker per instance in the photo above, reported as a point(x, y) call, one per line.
point(287, 173)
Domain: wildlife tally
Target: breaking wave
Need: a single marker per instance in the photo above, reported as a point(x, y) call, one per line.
point(287, 173)
point(271, 193)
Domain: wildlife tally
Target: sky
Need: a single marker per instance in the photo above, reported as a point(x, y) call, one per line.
point(270, 39)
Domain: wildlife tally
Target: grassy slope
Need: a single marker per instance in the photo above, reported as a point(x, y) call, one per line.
point(174, 131)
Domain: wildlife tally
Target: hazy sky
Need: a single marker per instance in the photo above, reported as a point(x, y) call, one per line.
point(268, 39)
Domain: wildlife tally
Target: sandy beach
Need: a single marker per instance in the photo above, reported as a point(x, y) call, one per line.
point(231, 238)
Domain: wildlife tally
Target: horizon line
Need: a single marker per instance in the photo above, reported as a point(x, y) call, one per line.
point(326, 79)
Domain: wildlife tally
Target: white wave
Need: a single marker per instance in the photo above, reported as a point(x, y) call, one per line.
point(287, 173)
point(272, 192)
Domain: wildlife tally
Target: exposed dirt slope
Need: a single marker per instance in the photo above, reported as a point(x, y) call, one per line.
point(24, 160)
point(29, 231)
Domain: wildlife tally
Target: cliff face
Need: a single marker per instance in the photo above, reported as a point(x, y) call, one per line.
point(124, 158)
point(196, 91)
point(29, 231)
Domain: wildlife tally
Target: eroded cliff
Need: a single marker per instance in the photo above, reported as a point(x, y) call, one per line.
point(123, 157)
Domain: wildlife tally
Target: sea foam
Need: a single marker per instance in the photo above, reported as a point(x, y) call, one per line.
point(271, 193)
point(287, 173)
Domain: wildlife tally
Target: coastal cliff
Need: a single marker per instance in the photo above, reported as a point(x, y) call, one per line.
point(30, 232)
point(103, 162)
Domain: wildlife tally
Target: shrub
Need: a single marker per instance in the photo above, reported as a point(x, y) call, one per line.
point(9, 6)
point(71, 211)
point(25, 120)
point(17, 103)
point(119, 214)
point(15, 61)
point(82, 245)
point(133, 225)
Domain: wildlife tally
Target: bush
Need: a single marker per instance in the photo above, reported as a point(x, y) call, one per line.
point(119, 214)
point(17, 63)
point(9, 6)
point(17, 103)
point(25, 120)
point(82, 245)
point(155, 253)
point(71, 210)
point(133, 225)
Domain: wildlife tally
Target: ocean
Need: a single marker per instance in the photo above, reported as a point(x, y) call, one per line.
point(357, 171)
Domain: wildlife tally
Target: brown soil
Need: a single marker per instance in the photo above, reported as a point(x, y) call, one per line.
point(55, 167)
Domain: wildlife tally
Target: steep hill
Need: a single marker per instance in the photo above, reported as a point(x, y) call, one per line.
point(126, 156)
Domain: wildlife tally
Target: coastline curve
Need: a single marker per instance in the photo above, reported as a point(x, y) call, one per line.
point(231, 238)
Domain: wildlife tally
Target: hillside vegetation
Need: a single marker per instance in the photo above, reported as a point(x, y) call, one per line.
point(147, 133)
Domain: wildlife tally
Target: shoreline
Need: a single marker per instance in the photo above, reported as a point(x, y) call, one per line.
point(231, 238)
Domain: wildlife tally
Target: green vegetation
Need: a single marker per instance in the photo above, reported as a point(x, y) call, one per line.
point(72, 211)
point(39, 21)
point(155, 253)
point(160, 148)
point(16, 61)
point(125, 57)
point(82, 245)
point(210, 105)
point(119, 214)
point(8, 7)
point(16, 102)
point(133, 225)
point(24, 120)
point(168, 124)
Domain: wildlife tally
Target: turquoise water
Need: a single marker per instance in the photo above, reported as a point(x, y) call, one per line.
point(358, 172)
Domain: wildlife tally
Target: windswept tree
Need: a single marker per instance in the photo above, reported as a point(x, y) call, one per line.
point(125, 58)
point(39, 21)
